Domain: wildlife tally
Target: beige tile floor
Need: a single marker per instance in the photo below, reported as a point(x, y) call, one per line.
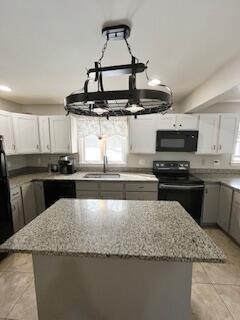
point(215, 289)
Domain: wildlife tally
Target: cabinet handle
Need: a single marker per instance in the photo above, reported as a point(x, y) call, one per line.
point(13, 207)
point(14, 194)
point(48, 147)
point(37, 146)
point(214, 147)
point(220, 147)
point(13, 146)
point(206, 191)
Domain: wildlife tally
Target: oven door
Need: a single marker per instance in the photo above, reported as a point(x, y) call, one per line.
point(180, 141)
point(189, 196)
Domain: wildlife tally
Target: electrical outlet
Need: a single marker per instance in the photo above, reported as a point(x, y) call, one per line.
point(216, 163)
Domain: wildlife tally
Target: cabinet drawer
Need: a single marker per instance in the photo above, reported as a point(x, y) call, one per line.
point(132, 195)
point(15, 193)
point(87, 185)
point(141, 186)
point(83, 194)
point(111, 186)
point(112, 195)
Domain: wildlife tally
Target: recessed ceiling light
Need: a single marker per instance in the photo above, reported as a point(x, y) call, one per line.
point(5, 88)
point(154, 82)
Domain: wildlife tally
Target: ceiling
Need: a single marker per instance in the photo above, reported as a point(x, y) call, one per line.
point(45, 45)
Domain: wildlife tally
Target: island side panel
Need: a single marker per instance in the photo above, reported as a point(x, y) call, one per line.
point(90, 288)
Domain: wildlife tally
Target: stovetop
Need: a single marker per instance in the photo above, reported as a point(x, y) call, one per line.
point(175, 172)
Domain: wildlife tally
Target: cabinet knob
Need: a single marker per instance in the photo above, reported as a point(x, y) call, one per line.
point(180, 125)
point(174, 125)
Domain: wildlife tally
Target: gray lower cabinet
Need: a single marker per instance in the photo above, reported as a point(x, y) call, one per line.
point(210, 204)
point(87, 194)
point(234, 229)
point(39, 196)
point(134, 195)
point(118, 190)
point(224, 208)
point(17, 209)
point(29, 203)
point(117, 195)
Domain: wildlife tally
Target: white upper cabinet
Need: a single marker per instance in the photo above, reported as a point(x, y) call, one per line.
point(142, 134)
point(165, 122)
point(227, 132)
point(26, 133)
point(186, 122)
point(6, 130)
point(208, 131)
point(44, 133)
point(176, 122)
point(63, 134)
point(217, 133)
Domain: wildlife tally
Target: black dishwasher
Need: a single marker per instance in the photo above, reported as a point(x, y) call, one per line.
point(55, 190)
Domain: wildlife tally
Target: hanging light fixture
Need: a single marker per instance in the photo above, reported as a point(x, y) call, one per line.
point(133, 101)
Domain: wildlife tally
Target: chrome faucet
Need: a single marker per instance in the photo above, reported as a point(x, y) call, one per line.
point(105, 161)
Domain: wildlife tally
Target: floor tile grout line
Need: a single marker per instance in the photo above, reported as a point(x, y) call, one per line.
point(224, 302)
point(19, 298)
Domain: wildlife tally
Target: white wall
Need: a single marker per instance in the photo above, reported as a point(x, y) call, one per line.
point(9, 106)
point(223, 107)
point(44, 109)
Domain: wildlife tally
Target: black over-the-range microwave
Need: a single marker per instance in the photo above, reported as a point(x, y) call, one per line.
point(177, 141)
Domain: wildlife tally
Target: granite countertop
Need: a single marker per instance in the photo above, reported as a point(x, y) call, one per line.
point(79, 176)
point(150, 230)
point(230, 180)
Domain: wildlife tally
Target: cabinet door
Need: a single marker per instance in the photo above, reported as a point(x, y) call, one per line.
point(17, 214)
point(210, 204)
point(87, 194)
point(44, 133)
point(111, 195)
point(227, 132)
point(224, 208)
point(142, 134)
point(235, 217)
point(60, 134)
point(132, 195)
point(166, 122)
point(29, 203)
point(39, 196)
point(187, 122)
point(6, 130)
point(208, 130)
point(26, 133)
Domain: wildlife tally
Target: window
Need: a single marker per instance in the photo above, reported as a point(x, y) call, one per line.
point(93, 149)
point(236, 155)
point(102, 137)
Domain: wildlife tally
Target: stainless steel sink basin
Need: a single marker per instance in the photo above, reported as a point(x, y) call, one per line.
point(102, 176)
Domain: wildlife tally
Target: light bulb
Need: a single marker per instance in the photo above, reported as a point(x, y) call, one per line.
point(133, 108)
point(154, 82)
point(99, 111)
point(5, 88)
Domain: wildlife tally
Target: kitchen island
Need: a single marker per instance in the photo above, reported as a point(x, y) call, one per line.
point(114, 259)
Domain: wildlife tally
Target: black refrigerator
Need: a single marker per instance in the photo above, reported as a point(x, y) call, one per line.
point(6, 222)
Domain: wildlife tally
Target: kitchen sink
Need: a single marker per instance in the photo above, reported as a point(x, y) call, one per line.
point(102, 176)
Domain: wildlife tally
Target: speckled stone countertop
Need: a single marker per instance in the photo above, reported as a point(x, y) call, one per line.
point(230, 180)
point(150, 230)
point(78, 176)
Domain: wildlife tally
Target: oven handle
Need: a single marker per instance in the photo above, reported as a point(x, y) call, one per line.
point(174, 186)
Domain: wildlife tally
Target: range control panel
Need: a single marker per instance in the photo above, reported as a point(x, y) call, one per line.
point(172, 166)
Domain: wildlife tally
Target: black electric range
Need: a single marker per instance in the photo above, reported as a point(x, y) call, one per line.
point(177, 184)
